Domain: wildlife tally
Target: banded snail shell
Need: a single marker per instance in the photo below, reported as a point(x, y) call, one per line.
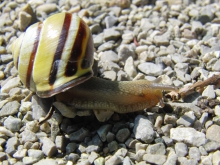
point(54, 55)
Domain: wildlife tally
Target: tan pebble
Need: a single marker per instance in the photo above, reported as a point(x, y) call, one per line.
point(2, 75)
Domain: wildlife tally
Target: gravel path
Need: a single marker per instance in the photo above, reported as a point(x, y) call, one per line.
point(177, 41)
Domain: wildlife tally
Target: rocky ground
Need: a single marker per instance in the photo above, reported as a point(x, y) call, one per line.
point(176, 40)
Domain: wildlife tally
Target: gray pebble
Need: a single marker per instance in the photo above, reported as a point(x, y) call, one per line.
point(166, 129)
point(187, 119)
point(158, 149)
point(213, 133)
point(113, 146)
point(143, 129)
point(170, 118)
point(59, 141)
point(99, 161)
point(9, 108)
point(46, 8)
point(71, 147)
point(105, 46)
point(92, 157)
point(98, 40)
point(6, 58)
point(48, 148)
point(188, 135)
point(111, 75)
point(73, 157)
point(216, 157)
point(79, 135)
point(29, 160)
point(130, 68)
point(122, 135)
point(69, 112)
point(103, 130)
point(126, 51)
point(110, 21)
point(209, 92)
point(204, 118)
point(11, 145)
point(37, 154)
point(110, 137)
point(194, 153)
point(167, 141)
point(28, 136)
point(211, 146)
point(127, 161)
point(185, 161)
point(162, 39)
point(111, 34)
point(92, 148)
point(150, 69)
point(32, 126)
point(181, 149)
point(171, 160)
point(154, 159)
point(109, 56)
point(12, 123)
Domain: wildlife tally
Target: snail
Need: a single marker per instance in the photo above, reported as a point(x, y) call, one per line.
point(55, 58)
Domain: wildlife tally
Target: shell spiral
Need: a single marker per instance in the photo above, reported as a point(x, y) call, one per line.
point(54, 55)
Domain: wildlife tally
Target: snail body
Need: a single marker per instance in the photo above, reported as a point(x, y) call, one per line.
point(55, 57)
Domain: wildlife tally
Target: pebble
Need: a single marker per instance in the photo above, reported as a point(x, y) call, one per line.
point(79, 135)
point(114, 160)
point(216, 158)
point(69, 112)
point(47, 161)
point(6, 132)
point(130, 68)
point(158, 149)
point(154, 159)
point(213, 133)
point(11, 145)
point(113, 146)
point(9, 108)
point(181, 149)
point(12, 123)
point(209, 92)
point(122, 135)
point(20, 154)
point(48, 148)
point(111, 34)
point(150, 69)
point(194, 153)
point(46, 8)
point(187, 119)
point(143, 129)
point(73, 157)
point(12, 83)
point(71, 147)
point(126, 51)
point(37, 154)
point(28, 136)
point(211, 146)
point(103, 131)
point(188, 135)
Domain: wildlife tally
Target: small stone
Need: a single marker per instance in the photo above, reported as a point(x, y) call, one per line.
point(114, 160)
point(216, 158)
point(171, 160)
point(150, 69)
point(73, 157)
point(167, 141)
point(130, 68)
point(59, 141)
point(70, 148)
point(2, 156)
point(162, 39)
point(12, 83)
point(194, 153)
point(24, 20)
point(111, 34)
point(28, 136)
point(121, 152)
point(29, 160)
point(110, 21)
point(108, 56)
point(79, 135)
point(9, 108)
point(32, 126)
point(143, 129)
point(181, 149)
point(110, 137)
point(37, 154)
point(103, 130)
point(126, 51)
point(46, 8)
point(12, 123)
point(47, 161)
point(69, 112)
point(92, 157)
point(99, 161)
point(154, 159)
point(92, 148)
point(122, 135)
point(6, 132)
point(25, 107)
point(187, 119)
point(209, 92)
point(212, 146)
point(203, 118)
point(188, 135)
point(170, 118)
point(20, 154)
point(11, 145)
point(48, 148)
point(213, 133)
point(105, 46)
point(127, 161)
point(156, 149)
point(113, 146)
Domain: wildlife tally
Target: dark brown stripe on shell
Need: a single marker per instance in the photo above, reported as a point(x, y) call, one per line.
point(32, 57)
point(76, 52)
point(88, 58)
point(59, 50)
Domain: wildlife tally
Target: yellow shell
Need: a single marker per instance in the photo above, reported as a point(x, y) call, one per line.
point(54, 55)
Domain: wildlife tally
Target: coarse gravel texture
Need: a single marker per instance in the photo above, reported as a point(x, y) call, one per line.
point(175, 40)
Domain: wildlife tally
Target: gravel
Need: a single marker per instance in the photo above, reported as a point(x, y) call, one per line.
point(177, 41)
